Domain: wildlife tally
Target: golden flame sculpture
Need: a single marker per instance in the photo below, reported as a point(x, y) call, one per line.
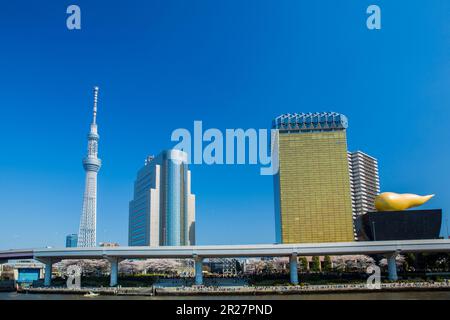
point(390, 201)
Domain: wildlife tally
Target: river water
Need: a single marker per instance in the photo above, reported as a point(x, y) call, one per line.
point(418, 295)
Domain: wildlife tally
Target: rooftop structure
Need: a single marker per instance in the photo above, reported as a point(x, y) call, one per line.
point(307, 122)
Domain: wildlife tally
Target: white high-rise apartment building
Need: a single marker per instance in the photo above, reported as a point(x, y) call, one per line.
point(364, 182)
point(162, 212)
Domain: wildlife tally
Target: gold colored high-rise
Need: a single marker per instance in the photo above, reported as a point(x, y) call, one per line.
point(312, 188)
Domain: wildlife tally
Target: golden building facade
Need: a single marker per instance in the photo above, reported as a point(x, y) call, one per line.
point(312, 188)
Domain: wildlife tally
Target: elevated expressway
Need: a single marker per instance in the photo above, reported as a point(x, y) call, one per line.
point(114, 255)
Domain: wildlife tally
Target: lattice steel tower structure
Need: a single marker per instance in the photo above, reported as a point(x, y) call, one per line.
point(91, 163)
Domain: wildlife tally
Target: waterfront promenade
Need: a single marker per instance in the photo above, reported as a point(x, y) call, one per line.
point(244, 290)
point(302, 289)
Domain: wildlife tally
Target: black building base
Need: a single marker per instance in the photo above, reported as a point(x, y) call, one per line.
point(399, 225)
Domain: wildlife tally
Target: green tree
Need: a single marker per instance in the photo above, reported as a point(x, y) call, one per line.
point(303, 264)
point(315, 264)
point(410, 262)
point(238, 266)
point(327, 264)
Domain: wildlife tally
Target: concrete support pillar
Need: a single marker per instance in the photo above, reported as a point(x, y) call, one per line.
point(114, 271)
point(293, 267)
point(48, 273)
point(198, 270)
point(392, 267)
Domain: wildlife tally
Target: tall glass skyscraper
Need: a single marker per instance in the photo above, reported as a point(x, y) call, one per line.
point(312, 188)
point(162, 212)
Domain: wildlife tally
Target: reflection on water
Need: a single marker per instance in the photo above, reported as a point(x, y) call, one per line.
point(430, 295)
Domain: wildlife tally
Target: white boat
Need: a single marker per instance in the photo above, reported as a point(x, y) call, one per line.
point(91, 294)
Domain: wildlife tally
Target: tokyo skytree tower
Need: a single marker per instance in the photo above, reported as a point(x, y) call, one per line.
point(91, 163)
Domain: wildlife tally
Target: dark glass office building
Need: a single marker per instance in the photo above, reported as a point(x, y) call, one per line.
point(400, 225)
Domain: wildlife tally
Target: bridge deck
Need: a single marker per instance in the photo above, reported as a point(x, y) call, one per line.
point(263, 250)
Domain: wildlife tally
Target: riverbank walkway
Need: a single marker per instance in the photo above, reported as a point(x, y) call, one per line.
point(243, 290)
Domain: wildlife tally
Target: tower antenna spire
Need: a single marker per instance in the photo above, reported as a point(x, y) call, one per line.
point(95, 105)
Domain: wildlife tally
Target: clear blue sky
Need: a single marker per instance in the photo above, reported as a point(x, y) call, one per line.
point(162, 64)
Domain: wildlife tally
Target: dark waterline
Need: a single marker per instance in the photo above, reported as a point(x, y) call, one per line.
point(430, 295)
